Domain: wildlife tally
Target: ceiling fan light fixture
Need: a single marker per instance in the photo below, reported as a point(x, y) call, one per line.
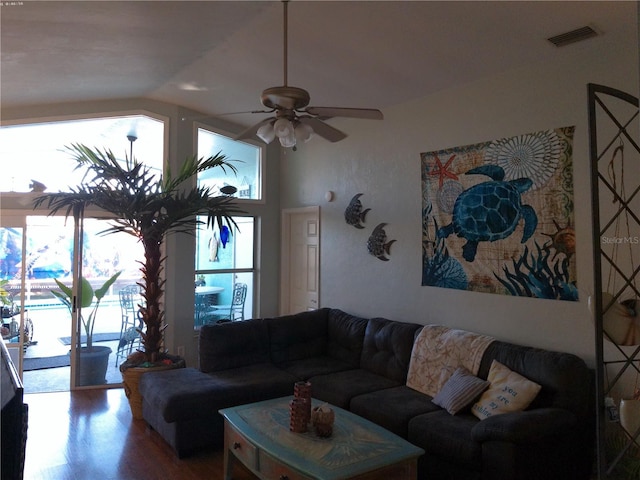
point(288, 141)
point(283, 128)
point(266, 133)
point(294, 120)
point(304, 132)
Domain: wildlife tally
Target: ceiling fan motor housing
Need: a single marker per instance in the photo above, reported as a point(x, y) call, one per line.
point(285, 97)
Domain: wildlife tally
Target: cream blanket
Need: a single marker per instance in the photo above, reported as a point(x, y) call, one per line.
point(438, 351)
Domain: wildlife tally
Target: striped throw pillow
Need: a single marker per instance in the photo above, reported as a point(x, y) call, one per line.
point(459, 391)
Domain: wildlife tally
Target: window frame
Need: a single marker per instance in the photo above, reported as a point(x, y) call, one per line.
point(253, 270)
point(197, 126)
point(166, 121)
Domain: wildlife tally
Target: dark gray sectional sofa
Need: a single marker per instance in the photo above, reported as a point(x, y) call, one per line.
point(361, 365)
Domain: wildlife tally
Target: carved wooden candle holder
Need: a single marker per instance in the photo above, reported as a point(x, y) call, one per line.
point(322, 419)
point(298, 411)
point(302, 391)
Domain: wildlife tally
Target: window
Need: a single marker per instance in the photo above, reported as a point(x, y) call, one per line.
point(226, 263)
point(37, 152)
point(246, 158)
point(223, 263)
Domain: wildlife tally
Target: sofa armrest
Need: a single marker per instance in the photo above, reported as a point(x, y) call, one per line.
point(522, 427)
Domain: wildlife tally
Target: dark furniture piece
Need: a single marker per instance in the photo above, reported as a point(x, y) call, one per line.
point(14, 419)
point(258, 435)
point(361, 365)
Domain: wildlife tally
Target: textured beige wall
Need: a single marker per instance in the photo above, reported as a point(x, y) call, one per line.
point(382, 160)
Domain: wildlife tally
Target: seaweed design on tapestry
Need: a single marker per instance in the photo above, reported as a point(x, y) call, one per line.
point(442, 270)
point(536, 276)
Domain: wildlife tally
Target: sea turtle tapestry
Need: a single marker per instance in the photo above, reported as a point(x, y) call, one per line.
point(498, 216)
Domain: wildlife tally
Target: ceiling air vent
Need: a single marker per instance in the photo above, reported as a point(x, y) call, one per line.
point(573, 36)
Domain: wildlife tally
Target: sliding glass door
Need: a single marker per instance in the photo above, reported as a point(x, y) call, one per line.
point(49, 339)
point(12, 244)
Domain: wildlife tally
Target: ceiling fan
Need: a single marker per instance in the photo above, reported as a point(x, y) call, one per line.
point(294, 120)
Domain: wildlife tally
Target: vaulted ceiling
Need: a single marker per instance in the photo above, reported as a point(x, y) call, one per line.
point(218, 56)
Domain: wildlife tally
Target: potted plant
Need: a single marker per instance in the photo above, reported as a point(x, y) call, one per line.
point(148, 207)
point(5, 297)
point(93, 359)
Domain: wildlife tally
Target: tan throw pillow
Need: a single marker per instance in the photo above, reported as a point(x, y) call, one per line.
point(509, 392)
point(461, 389)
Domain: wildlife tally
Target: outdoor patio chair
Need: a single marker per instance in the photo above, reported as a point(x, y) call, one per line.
point(131, 321)
point(234, 311)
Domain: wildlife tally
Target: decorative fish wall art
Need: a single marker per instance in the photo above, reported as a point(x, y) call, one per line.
point(498, 216)
point(377, 244)
point(213, 248)
point(354, 215)
point(224, 236)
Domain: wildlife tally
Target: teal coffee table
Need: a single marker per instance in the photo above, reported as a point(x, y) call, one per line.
point(258, 435)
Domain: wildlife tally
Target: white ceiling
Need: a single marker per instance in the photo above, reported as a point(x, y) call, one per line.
point(371, 54)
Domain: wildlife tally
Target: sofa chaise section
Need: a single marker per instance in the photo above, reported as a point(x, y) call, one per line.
point(182, 405)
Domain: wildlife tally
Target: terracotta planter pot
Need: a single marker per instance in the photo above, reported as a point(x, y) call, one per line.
point(131, 379)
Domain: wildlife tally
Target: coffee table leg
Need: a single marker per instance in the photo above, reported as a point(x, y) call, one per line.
point(228, 463)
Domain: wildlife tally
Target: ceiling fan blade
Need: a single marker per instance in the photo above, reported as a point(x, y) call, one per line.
point(226, 114)
point(251, 131)
point(328, 112)
point(324, 130)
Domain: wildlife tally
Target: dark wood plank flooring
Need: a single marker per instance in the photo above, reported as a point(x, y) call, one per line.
point(90, 435)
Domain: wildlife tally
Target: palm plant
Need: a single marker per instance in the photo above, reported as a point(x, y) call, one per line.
point(148, 207)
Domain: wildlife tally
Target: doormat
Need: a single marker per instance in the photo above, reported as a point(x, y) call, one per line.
point(40, 363)
point(97, 337)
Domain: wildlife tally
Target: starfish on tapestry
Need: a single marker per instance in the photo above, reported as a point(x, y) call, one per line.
point(443, 170)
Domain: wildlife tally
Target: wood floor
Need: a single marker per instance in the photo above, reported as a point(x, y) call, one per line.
point(90, 435)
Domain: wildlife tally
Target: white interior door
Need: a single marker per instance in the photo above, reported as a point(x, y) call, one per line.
point(300, 260)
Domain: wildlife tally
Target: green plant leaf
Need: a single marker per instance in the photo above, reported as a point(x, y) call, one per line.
point(102, 291)
point(63, 297)
point(86, 298)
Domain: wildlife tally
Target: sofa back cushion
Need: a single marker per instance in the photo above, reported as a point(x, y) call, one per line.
point(345, 337)
point(298, 336)
point(233, 344)
point(565, 379)
point(387, 348)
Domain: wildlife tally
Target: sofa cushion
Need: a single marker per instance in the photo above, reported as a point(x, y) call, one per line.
point(448, 437)
point(509, 392)
point(345, 337)
point(298, 336)
point(187, 393)
point(387, 348)
point(345, 334)
point(233, 344)
point(564, 377)
point(460, 391)
point(187, 386)
point(340, 387)
point(306, 368)
point(392, 408)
